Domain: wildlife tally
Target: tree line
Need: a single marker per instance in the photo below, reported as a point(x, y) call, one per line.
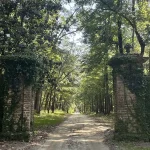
point(110, 28)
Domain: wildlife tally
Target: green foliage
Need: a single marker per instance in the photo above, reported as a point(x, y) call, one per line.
point(23, 66)
point(51, 119)
point(27, 25)
point(134, 146)
point(115, 23)
point(132, 137)
point(19, 71)
point(121, 127)
point(96, 89)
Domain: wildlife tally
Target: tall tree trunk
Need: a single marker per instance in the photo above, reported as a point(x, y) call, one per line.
point(50, 101)
point(120, 36)
point(103, 98)
point(45, 99)
point(119, 23)
point(149, 62)
point(97, 104)
point(53, 106)
point(60, 100)
point(107, 99)
point(37, 104)
point(133, 13)
point(100, 102)
point(53, 101)
point(2, 87)
point(92, 104)
point(49, 105)
point(106, 88)
point(138, 35)
point(141, 41)
point(84, 106)
point(111, 103)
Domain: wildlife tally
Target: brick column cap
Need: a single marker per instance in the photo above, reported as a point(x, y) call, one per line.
point(119, 60)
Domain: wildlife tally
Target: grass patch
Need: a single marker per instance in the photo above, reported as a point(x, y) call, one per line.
point(133, 146)
point(102, 117)
point(52, 119)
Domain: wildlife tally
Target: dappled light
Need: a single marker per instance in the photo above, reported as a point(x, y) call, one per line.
point(74, 74)
point(77, 132)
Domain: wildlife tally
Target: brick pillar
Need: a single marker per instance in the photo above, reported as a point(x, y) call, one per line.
point(18, 123)
point(124, 99)
point(124, 103)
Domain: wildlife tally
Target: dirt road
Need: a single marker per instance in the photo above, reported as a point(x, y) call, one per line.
point(78, 132)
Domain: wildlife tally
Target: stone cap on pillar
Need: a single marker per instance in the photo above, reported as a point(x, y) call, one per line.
point(119, 60)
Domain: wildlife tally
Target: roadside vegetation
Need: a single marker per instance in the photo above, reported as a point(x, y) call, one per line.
point(130, 145)
point(48, 119)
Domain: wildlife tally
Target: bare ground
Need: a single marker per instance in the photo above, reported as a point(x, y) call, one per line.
point(78, 132)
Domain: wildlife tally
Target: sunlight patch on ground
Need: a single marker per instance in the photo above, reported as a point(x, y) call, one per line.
point(77, 133)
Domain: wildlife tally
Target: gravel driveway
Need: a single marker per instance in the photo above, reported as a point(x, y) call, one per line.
point(78, 132)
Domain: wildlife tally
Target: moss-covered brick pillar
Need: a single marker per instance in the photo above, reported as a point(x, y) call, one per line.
point(18, 114)
point(127, 73)
point(19, 74)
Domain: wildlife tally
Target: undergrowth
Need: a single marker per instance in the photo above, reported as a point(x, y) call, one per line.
point(51, 119)
point(132, 146)
point(105, 118)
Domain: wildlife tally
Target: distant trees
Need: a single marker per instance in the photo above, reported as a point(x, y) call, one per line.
point(59, 87)
point(109, 28)
point(95, 92)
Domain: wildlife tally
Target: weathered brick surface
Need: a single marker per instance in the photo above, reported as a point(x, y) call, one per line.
point(24, 111)
point(124, 99)
point(124, 102)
